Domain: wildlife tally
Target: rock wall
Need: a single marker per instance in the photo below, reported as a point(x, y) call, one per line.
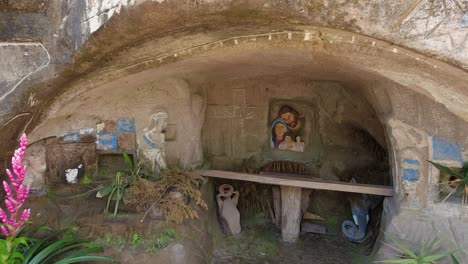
point(65, 66)
point(83, 112)
point(238, 125)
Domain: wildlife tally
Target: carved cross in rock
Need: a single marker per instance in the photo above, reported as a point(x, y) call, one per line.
point(238, 113)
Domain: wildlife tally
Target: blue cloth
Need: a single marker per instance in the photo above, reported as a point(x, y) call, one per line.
point(279, 120)
point(149, 142)
point(276, 121)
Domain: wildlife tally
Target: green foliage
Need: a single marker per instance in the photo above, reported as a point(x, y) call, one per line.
point(86, 179)
point(57, 247)
point(122, 180)
point(128, 161)
point(115, 189)
point(109, 240)
point(135, 172)
point(460, 184)
point(427, 254)
point(163, 239)
point(136, 240)
point(153, 244)
point(10, 250)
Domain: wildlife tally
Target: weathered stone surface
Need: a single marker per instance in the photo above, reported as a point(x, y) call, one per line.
point(412, 227)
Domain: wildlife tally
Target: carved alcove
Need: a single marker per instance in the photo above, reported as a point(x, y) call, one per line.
point(335, 135)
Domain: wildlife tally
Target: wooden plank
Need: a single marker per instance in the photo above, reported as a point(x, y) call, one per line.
point(300, 181)
point(290, 213)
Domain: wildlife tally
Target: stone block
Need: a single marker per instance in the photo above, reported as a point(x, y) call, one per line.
point(309, 227)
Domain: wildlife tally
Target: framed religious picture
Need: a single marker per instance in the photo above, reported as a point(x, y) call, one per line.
point(286, 128)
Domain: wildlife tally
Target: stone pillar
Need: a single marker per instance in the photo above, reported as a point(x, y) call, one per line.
point(290, 213)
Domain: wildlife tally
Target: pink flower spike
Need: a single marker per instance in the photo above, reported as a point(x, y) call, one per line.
point(25, 215)
point(24, 194)
point(14, 201)
point(4, 231)
point(3, 216)
point(19, 192)
point(23, 140)
point(10, 176)
point(10, 206)
point(7, 189)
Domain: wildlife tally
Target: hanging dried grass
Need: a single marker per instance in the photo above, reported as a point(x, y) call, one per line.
point(176, 193)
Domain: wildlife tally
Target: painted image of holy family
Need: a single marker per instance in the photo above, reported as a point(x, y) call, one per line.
point(286, 130)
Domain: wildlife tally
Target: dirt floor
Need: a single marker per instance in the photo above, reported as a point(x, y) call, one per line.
point(260, 242)
point(127, 239)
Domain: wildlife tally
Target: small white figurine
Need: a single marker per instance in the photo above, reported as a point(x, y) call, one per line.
point(227, 200)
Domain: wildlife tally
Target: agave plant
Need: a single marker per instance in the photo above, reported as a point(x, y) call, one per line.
point(58, 247)
point(426, 255)
point(459, 181)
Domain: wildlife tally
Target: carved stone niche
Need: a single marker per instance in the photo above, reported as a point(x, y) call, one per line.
point(69, 162)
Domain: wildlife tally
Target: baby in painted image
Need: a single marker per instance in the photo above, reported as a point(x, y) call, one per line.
point(289, 144)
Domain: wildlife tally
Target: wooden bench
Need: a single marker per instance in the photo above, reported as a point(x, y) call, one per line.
point(291, 190)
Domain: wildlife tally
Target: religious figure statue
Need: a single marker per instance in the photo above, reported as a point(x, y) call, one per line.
point(154, 140)
point(227, 200)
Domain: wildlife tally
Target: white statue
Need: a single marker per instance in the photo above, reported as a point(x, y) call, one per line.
point(227, 200)
point(154, 141)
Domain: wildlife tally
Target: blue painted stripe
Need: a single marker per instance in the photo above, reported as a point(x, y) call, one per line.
point(411, 175)
point(106, 141)
point(149, 142)
point(72, 137)
point(411, 161)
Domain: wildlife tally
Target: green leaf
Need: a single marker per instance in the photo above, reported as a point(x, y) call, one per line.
point(117, 202)
point(36, 229)
point(85, 258)
point(73, 245)
point(455, 261)
point(20, 240)
point(403, 248)
point(436, 256)
point(447, 170)
point(400, 261)
point(109, 199)
point(106, 190)
point(85, 251)
point(436, 244)
point(129, 161)
point(42, 243)
point(49, 250)
point(16, 255)
point(422, 251)
point(170, 232)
